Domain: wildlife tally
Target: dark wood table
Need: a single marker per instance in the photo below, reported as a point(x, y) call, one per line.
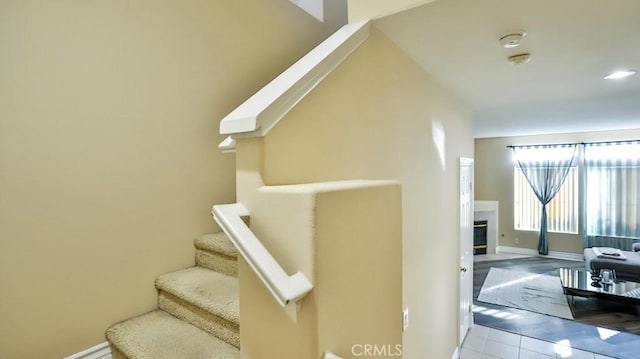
point(579, 283)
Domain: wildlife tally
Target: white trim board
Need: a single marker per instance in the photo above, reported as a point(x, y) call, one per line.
point(100, 351)
point(456, 354)
point(534, 253)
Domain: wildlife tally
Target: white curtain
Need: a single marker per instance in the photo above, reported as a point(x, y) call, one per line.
point(612, 195)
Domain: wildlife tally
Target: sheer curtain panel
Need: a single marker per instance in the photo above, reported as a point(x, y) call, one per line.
point(545, 168)
point(612, 175)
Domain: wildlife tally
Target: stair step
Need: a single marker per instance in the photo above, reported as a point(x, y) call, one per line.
point(204, 298)
point(216, 252)
point(158, 335)
point(216, 242)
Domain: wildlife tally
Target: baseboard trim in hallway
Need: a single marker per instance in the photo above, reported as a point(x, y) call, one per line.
point(100, 351)
point(534, 253)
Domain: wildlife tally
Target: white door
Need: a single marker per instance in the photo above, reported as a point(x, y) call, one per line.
point(466, 245)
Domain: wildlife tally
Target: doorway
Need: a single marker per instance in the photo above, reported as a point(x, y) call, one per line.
point(466, 247)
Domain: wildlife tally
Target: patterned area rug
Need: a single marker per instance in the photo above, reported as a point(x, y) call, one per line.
point(538, 293)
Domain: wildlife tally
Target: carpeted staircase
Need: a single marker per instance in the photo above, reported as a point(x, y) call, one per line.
point(198, 315)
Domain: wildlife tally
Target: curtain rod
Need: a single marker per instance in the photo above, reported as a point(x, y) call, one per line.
point(573, 143)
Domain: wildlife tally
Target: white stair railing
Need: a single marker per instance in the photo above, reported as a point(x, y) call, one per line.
point(284, 288)
point(261, 112)
point(328, 355)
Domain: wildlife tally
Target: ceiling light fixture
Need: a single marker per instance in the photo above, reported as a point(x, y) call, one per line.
point(616, 75)
point(512, 39)
point(519, 59)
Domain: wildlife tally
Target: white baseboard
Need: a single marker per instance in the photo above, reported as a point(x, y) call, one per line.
point(534, 253)
point(100, 351)
point(456, 354)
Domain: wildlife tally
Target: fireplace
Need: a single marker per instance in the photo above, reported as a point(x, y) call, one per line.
point(480, 237)
point(488, 211)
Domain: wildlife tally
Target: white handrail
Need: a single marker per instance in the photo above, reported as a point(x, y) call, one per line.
point(283, 287)
point(328, 355)
point(261, 112)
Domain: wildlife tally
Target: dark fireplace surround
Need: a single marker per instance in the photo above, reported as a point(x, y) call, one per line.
point(480, 237)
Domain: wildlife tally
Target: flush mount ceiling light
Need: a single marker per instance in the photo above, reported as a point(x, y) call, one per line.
point(619, 74)
point(519, 59)
point(512, 39)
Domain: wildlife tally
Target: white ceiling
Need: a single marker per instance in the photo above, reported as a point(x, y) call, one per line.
point(573, 44)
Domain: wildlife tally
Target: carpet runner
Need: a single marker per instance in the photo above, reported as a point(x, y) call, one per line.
point(198, 313)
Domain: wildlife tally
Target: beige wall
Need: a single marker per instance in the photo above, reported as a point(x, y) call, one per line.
point(108, 160)
point(379, 116)
point(494, 181)
point(323, 231)
point(327, 234)
point(374, 9)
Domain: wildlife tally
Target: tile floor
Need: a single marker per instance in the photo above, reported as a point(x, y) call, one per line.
point(488, 343)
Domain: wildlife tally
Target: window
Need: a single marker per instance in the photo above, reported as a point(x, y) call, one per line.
point(612, 192)
point(562, 211)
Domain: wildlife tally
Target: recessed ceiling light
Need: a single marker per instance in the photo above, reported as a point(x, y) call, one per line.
point(619, 74)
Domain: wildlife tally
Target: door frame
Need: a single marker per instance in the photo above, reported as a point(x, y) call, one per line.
point(465, 265)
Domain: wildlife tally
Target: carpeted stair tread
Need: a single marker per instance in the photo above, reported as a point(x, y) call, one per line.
point(216, 242)
point(217, 262)
point(214, 292)
point(158, 335)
